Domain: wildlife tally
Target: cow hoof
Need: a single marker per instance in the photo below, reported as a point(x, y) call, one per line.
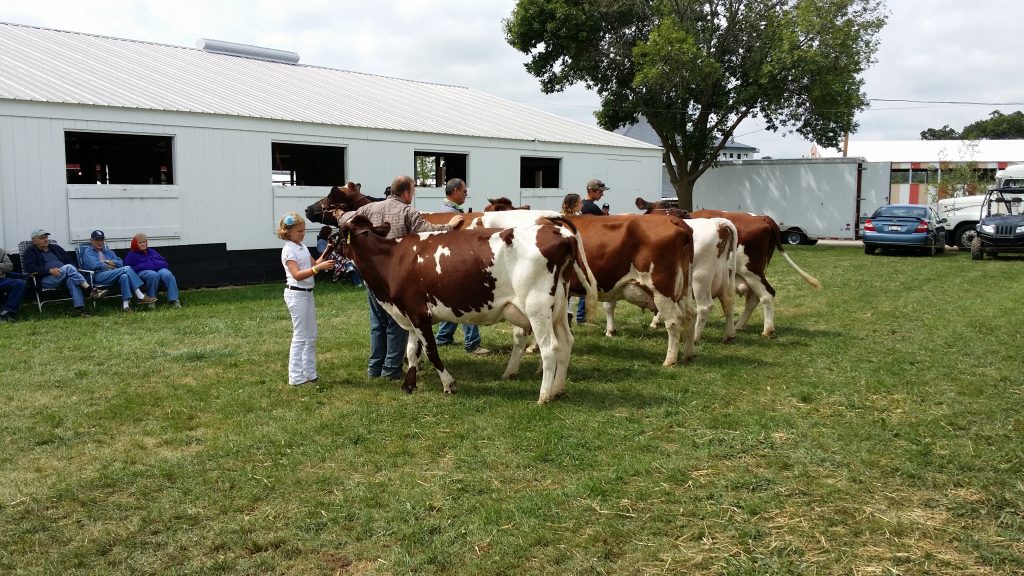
point(609, 333)
point(669, 363)
point(542, 401)
point(728, 340)
point(408, 389)
point(510, 376)
point(768, 334)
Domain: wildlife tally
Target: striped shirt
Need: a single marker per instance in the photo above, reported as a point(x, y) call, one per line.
point(404, 219)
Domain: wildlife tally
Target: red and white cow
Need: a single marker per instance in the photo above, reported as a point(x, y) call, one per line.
point(644, 261)
point(759, 237)
point(480, 276)
point(714, 271)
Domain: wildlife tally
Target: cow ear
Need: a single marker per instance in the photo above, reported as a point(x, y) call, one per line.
point(383, 229)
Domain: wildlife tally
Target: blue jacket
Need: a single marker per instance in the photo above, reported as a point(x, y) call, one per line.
point(35, 260)
point(91, 259)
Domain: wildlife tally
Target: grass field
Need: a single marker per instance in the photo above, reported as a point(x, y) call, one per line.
point(880, 432)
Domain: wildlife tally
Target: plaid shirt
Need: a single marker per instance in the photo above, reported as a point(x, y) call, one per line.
point(404, 219)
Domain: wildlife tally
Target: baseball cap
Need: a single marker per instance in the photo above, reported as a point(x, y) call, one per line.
point(605, 205)
point(98, 235)
point(39, 232)
point(596, 184)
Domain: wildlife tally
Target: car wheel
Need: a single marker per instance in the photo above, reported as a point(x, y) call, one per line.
point(976, 252)
point(964, 237)
point(869, 249)
point(792, 237)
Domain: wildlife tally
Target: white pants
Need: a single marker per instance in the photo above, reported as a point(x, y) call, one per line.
point(302, 357)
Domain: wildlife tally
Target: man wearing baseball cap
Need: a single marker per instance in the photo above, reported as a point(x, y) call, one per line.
point(110, 269)
point(55, 267)
point(595, 190)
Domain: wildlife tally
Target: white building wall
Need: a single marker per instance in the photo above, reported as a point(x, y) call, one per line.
point(222, 190)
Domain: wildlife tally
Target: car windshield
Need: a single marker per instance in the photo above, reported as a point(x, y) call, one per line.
point(902, 212)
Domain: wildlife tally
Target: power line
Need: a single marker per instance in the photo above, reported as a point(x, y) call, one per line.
point(946, 102)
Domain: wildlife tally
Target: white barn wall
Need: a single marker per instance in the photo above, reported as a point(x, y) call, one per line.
point(221, 164)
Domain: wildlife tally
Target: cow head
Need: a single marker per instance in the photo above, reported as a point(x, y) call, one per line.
point(359, 225)
point(502, 204)
point(339, 200)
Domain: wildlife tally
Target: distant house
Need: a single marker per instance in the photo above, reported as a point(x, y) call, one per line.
point(642, 131)
point(204, 149)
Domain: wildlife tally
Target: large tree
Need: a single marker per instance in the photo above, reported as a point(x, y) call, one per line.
point(696, 69)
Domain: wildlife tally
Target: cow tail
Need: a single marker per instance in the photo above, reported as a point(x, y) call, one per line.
point(733, 247)
point(778, 244)
point(586, 278)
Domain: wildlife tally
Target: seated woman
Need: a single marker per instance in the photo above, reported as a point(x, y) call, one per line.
point(152, 269)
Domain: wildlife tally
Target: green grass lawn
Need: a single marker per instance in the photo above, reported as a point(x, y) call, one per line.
point(880, 432)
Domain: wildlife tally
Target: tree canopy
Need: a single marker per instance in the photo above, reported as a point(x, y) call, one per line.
point(997, 126)
point(697, 68)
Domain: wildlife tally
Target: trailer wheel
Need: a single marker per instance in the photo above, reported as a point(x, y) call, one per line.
point(792, 237)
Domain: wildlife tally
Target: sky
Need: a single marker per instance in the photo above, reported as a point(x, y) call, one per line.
point(932, 50)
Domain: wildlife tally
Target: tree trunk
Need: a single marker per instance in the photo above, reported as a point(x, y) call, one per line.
point(684, 192)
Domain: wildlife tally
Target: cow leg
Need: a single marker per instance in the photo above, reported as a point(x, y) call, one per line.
point(759, 291)
point(702, 297)
point(565, 340)
point(671, 314)
point(412, 352)
point(744, 280)
point(425, 337)
point(728, 299)
point(543, 331)
point(689, 314)
point(519, 339)
point(609, 318)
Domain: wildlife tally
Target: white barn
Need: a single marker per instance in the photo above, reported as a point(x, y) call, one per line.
point(203, 151)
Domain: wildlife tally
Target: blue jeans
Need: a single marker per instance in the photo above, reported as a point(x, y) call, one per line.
point(153, 279)
point(387, 342)
point(70, 277)
point(15, 289)
point(124, 276)
point(581, 311)
point(446, 335)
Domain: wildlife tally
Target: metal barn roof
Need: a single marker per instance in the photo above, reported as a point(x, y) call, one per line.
point(45, 65)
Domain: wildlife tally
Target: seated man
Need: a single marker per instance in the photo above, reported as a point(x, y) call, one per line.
point(110, 269)
point(152, 268)
point(13, 288)
point(54, 267)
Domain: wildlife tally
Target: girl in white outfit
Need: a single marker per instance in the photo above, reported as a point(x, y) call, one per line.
point(299, 270)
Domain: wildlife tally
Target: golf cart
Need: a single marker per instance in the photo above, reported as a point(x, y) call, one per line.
point(1001, 227)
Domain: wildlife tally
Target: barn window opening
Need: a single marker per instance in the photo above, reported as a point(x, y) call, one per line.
point(433, 169)
point(104, 158)
point(536, 172)
point(307, 165)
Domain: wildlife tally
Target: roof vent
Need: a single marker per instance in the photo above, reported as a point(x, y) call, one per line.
point(247, 51)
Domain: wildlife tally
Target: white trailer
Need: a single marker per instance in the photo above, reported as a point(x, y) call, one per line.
point(810, 198)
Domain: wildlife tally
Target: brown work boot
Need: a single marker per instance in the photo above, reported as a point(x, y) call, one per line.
point(148, 300)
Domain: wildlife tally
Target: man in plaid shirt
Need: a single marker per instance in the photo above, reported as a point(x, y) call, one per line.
point(387, 338)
